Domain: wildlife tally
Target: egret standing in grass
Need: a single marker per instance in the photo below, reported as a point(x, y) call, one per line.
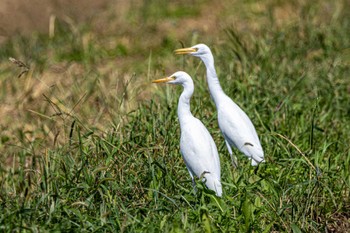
point(197, 147)
point(235, 125)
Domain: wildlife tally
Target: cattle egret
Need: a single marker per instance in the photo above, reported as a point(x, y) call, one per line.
point(197, 147)
point(235, 125)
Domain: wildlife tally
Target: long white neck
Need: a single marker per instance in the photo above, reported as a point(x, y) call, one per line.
point(212, 79)
point(183, 108)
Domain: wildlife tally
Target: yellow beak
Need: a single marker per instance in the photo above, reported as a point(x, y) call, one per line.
point(185, 51)
point(163, 80)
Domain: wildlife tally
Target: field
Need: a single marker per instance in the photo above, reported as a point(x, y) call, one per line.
point(89, 144)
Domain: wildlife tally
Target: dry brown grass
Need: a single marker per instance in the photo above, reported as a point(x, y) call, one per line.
point(24, 17)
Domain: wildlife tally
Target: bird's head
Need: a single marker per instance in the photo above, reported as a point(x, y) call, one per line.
point(199, 50)
point(179, 77)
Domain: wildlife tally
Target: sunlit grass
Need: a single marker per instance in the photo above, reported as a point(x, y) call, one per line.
point(90, 145)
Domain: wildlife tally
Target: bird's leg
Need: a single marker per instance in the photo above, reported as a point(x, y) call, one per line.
point(193, 182)
point(233, 158)
point(194, 185)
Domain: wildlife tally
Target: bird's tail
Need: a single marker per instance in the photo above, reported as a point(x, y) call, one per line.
point(255, 163)
point(258, 158)
point(213, 183)
point(256, 154)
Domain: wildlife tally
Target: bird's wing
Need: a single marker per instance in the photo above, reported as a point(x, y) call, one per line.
point(237, 128)
point(198, 149)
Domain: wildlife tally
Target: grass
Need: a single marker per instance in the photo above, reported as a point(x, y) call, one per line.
point(89, 144)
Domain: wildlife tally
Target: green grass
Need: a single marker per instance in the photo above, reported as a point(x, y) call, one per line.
point(100, 150)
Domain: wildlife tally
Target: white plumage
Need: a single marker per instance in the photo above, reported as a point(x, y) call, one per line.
point(235, 125)
point(197, 147)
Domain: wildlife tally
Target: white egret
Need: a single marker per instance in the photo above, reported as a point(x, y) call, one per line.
point(235, 125)
point(197, 147)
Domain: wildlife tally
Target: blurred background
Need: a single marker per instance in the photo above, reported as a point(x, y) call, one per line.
point(24, 17)
point(92, 61)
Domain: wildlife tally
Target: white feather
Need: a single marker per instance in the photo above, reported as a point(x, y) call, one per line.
point(235, 125)
point(197, 147)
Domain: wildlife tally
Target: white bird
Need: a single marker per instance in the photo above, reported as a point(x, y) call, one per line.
point(235, 125)
point(197, 147)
